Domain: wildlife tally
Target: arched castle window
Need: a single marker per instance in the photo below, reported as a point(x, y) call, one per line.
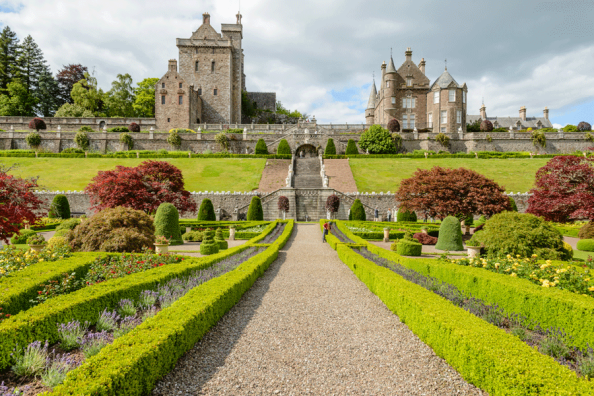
point(212, 67)
point(196, 67)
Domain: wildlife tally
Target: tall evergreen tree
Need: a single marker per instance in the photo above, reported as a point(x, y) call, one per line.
point(119, 100)
point(31, 64)
point(67, 77)
point(48, 95)
point(9, 52)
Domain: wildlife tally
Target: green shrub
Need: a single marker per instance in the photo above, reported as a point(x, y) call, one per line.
point(206, 211)
point(174, 139)
point(57, 242)
point(127, 140)
point(59, 208)
point(512, 202)
point(538, 138)
point(209, 245)
point(114, 230)
point(261, 147)
point(442, 139)
point(118, 129)
point(351, 148)
point(481, 220)
point(567, 252)
point(82, 140)
point(330, 147)
point(167, 223)
point(33, 140)
point(406, 216)
point(570, 128)
point(358, 211)
point(220, 240)
point(255, 212)
point(73, 150)
point(85, 128)
point(521, 233)
point(193, 236)
point(450, 235)
point(409, 248)
point(36, 239)
point(283, 147)
point(586, 245)
point(587, 231)
point(21, 237)
point(377, 140)
point(61, 233)
point(68, 225)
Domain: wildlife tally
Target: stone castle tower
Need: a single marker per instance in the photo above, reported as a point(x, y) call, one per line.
point(407, 95)
point(208, 85)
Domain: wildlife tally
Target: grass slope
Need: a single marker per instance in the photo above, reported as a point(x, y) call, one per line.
point(385, 174)
point(200, 174)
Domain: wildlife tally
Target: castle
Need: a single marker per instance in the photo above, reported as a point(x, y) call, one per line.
point(408, 96)
point(207, 88)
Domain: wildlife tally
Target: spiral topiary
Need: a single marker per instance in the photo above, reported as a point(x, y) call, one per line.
point(486, 126)
point(206, 211)
point(450, 235)
point(59, 208)
point(209, 245)
point(255, 212)
point(220, 240)
point(167, 223)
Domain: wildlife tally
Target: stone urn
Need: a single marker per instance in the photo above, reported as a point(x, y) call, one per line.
point(386, 235)
point(161, 248)
point(231, 234)
point(36, 248)
point(473, 251)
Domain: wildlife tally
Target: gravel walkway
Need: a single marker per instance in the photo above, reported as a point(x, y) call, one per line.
point(309, 326)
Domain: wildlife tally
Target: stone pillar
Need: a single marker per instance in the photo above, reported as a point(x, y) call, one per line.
point(151, 133)
point(199, 134)
point(245, 132)
point(218, 214)
point(561, 133)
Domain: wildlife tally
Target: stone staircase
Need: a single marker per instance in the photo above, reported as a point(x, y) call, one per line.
point(307, 173)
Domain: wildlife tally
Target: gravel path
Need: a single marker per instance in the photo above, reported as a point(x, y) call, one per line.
point(309, 326)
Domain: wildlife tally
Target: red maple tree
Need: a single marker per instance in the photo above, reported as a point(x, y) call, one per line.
point(18, 203)
point(143, 187)
point(441, 192)
point(564, 189)
point(332, 203)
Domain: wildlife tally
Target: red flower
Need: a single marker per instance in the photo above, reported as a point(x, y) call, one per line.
point(8, 315)
point(160, 265)
point(39, 292)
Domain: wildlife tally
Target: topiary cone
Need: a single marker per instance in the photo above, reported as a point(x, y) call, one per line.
point(60, 208)
point(255, 212)
point(167, 223)
point(358, 211)
point(206, 211)
point(450, 235)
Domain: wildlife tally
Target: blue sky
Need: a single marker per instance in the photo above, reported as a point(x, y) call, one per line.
point(320, 55)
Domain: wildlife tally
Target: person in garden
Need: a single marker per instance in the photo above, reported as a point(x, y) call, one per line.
point(389, 215)
point(327, 228)
point(376, 214)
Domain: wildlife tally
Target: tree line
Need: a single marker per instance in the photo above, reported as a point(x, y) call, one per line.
point(28, 87)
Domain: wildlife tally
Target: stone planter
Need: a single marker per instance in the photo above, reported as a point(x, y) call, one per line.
point(36, 248)
point(386, 235)
point(159, 248)
point(473, 251)
point(466, 230)
point(231, 234)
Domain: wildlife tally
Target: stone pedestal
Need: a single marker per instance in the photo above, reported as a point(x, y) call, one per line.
point(231, 234)
point(386, 235)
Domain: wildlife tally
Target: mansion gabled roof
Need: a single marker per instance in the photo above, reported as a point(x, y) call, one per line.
point(444, 81)
point(506, 122)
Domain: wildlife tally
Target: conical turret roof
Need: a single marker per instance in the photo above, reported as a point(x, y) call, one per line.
point(391, 67)
point(445, 80)
point(372, 95)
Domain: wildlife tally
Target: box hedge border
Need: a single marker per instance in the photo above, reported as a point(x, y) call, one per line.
point(40, 322)
point(134, 362)
point(132, 154)
point(549, 307)
point(483, 354)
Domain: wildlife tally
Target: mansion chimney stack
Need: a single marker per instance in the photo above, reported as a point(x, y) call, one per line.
point(483, 112)
point(408, 54)
point(422, 66)
point(523, 113)
point(546, 113)
point(173, 65)
point(383, 72)
point(206, 18)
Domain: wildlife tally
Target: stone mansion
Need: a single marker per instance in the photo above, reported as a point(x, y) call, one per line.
point(407, 95)
point(207, 87)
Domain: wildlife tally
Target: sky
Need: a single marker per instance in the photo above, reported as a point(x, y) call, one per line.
point(319, 56)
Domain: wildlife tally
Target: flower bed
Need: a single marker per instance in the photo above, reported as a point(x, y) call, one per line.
point(13, 260)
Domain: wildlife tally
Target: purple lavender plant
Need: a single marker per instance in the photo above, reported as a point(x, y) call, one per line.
point(108, 321)
point(148, 298)
point(70, 334)
point(6, 391)
point(126, 325)
point(30, 361)
point(56, 369)
point(92, 343)
point(127, 308)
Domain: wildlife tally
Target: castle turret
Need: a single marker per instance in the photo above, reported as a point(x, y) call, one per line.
point(370, 111)
point(391, 67)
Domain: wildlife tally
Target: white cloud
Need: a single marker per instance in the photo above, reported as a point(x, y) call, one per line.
point(558, 126)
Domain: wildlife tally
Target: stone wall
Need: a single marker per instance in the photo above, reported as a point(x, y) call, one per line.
point(74, 123)
point(264, 100)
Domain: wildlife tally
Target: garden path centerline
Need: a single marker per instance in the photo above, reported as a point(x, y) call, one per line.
point(309, 326)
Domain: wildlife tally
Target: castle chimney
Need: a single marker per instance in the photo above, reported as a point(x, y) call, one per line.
point(173, 65)
point(408, 54)
point(483, 112)
point(523, 113)
point(383, 71)
point(422, 65)
point(206, 18)
point(546, 113)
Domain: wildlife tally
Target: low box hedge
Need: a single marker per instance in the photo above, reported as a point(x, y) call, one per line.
point(21, 286)
point(586, 245)
point(40, 322)
point(549, 307)
point(133, 363)
point(483, 354)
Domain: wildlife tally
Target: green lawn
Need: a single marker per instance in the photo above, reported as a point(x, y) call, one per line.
point(385, 174)
point(200, 174)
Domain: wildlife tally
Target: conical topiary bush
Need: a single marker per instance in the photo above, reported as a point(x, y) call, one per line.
point(330, 147)
point(406, 216)
point(283, 148)
point(60, 208)
point(209, 245)
point(261, 147)
point(206, 211)
point(167, 223)
point(357, 211)
point(450, 235)
point(220, 240)
point(351, 148)
point(255, 212)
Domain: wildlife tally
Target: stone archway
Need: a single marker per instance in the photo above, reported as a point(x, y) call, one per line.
point(308, 150)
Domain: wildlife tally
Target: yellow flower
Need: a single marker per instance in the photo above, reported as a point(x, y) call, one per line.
point(496, 265)
point(546, 283)
point(591, 289)
point(534, 255)
point(509, 256)
point(514, 274)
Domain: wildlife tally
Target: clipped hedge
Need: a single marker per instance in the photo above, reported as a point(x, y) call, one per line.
point(408, 248)
point(22, 236)
point(255, 211)
point(406, 216)
point(167, 223)
point(206, 211)
point(135, 362)
point(450, 235)
point(484, 355)
point(586, 245)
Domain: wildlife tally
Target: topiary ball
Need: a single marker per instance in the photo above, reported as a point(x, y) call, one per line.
point(486, 126)
point(134, 127)
point(59, 208)
point(586, 245)
point(450, 235)
point(255, 212)
point(167, 223)
point(206, 211)
point(358, 211)
point(408, 248)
